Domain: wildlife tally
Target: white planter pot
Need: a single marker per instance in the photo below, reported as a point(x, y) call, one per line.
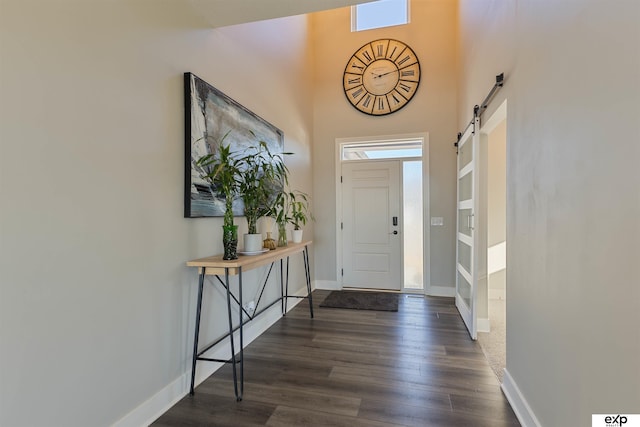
point(252, 242)
point(297, 236)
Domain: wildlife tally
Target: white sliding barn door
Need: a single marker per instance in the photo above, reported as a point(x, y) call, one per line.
point(466, 241)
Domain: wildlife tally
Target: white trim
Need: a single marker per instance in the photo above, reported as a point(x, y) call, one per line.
point(441, 291)
point(466, 135)
point(465, 170)
point(496, 118)
point(338, 225)
point(381, 138)
point(329, 285)
point(426, 214)
point(157, 404)
point(483, 324)
point(150, 410)
point(465, 204)
point(467, 276)
point(518, 403)
point(465, 313)
point(339, 142)
point(465, 239)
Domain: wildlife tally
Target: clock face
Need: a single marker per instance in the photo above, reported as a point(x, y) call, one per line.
point(381, 77)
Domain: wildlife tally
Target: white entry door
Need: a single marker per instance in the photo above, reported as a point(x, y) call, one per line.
point(467, 247)
point(371, 228)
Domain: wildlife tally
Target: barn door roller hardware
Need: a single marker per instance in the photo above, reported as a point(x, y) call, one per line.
point(479, 109)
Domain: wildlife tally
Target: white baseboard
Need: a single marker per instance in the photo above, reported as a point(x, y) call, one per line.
point(441, 291)
point(483, 325)
point(518, 403)
point(159, 403)
point(497, 293)
point(328, 285)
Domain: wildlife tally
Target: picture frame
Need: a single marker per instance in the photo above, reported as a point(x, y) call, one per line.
point(209, 116)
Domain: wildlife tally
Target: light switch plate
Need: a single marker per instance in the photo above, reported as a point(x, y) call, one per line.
point(437, 220)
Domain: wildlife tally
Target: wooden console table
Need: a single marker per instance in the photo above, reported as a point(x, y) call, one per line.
point(216, 266)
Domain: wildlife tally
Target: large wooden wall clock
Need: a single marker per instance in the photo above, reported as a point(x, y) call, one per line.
point(381, 77)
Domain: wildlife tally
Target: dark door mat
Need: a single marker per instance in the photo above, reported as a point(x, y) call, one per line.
point(357, 300)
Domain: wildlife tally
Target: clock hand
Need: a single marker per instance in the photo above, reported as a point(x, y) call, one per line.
point(375, 76)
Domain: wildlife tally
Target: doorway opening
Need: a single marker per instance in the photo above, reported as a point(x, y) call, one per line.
point(381, 240)
point(492, 291)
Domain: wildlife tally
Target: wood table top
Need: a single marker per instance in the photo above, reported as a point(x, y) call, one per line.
point(216, 265)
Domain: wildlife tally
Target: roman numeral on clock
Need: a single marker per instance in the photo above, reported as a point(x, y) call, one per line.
point(403, 60)
point(366, 102)
point(356, 93)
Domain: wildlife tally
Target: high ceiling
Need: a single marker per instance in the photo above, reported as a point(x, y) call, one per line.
point(220, 13)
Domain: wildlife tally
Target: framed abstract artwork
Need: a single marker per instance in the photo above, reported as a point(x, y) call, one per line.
point(209, 116)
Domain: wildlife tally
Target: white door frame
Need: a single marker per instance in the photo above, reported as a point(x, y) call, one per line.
point(486, 127)
point(425, 197)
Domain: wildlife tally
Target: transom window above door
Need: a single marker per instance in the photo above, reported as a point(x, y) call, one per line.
point(382, 150)
point(379, 14)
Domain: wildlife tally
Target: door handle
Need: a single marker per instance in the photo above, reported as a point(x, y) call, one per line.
point(470, 219)
point(395, 220)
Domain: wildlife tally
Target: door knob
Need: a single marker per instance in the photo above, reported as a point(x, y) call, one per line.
point(395, 231)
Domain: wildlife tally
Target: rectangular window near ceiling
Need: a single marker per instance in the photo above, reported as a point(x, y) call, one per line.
point(379, 14)
point(382, 150)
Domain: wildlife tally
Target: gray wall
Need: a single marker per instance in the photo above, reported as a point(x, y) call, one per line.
point(572, 195)
point(96, 303)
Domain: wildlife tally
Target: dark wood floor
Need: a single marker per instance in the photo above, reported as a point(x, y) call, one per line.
point(352, 368)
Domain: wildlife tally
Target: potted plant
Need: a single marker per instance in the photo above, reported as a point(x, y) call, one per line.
point(291, 208)
point(300, 213)
point(220, 170)
point(281, 213)
point(262, 173)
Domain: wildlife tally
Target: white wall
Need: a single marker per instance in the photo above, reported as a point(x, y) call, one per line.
point(432, 35)
point(573, 204)
point(221, 12)
point(497, 191)
point(96, 304)
point(497, 209)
